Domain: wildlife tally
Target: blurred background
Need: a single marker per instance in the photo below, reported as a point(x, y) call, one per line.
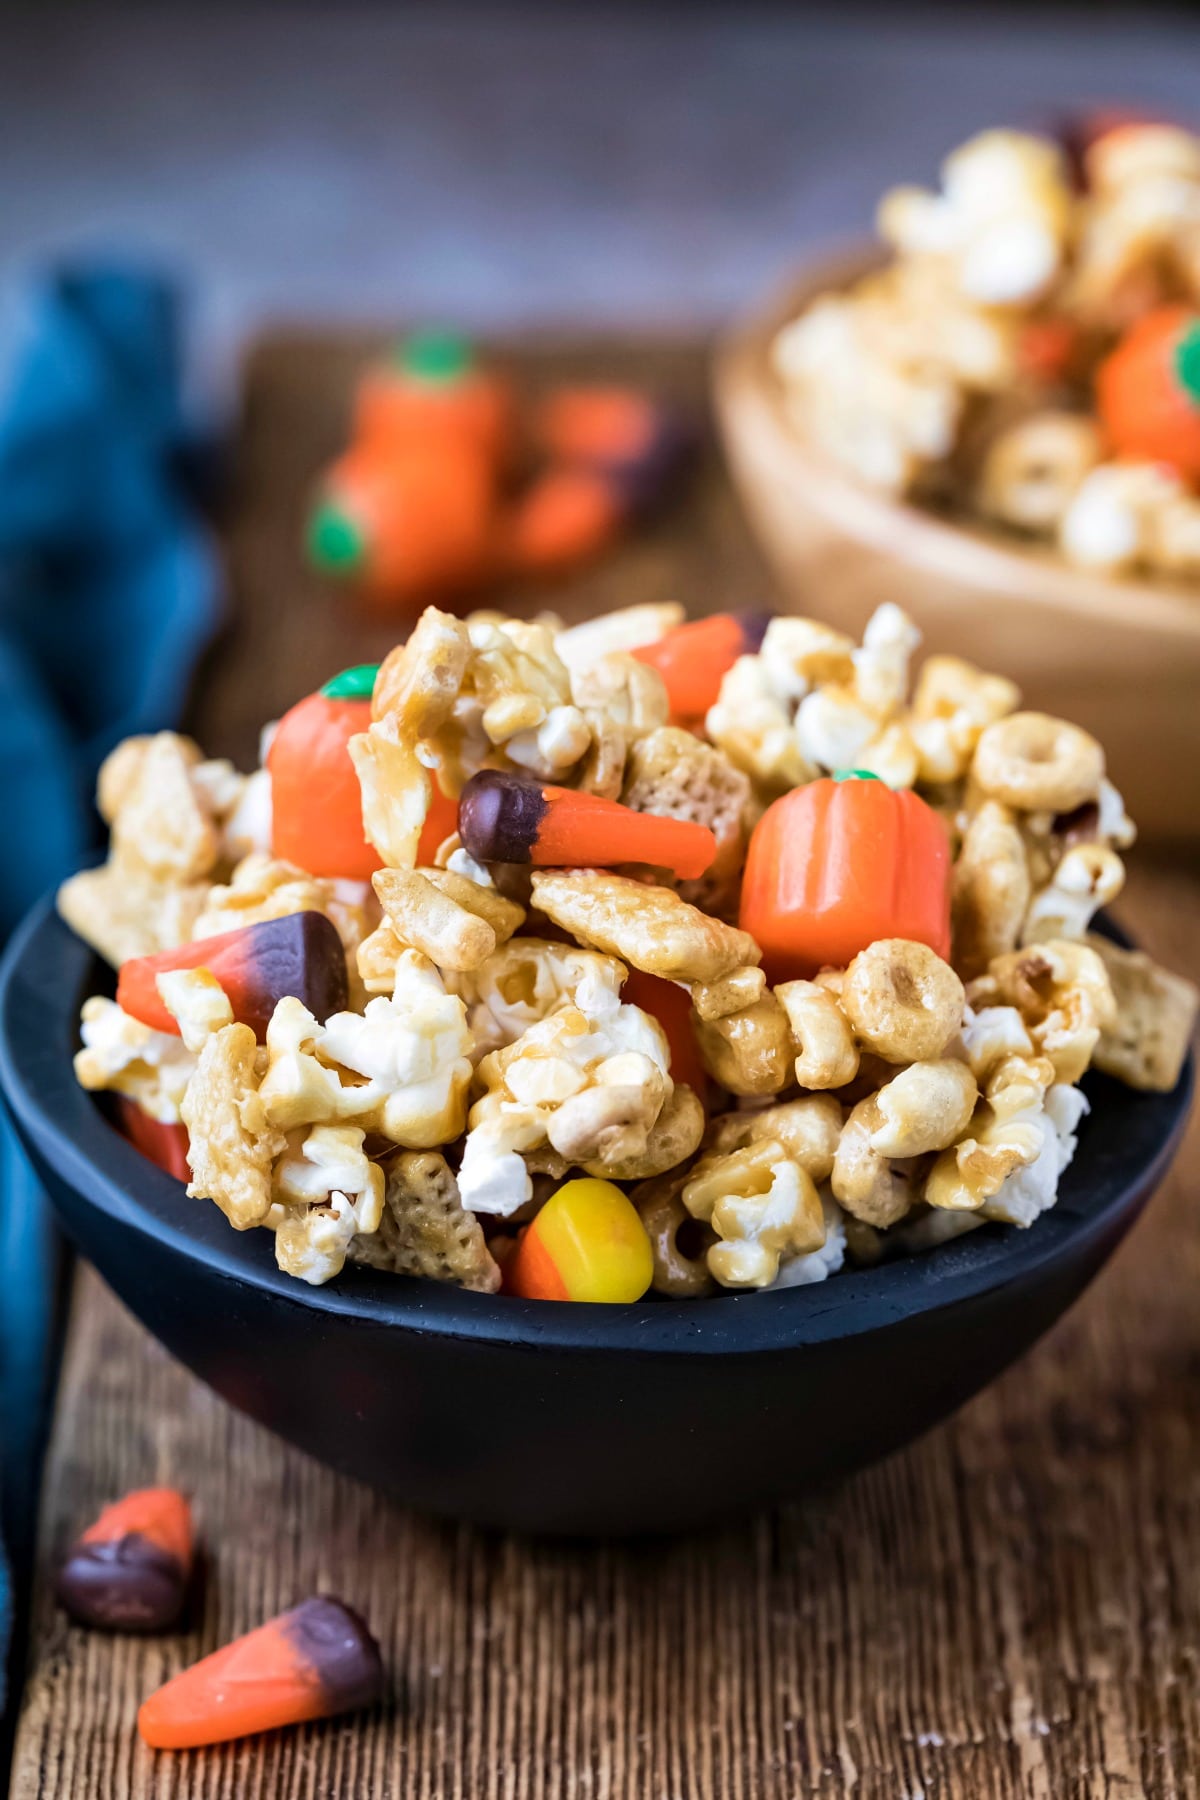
point(518, 163)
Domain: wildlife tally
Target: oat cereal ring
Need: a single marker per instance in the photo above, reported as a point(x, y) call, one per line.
point(902, 1001)
point(677, 1274)
point(863, 1180)
point(1038, 763)
point(926, 1107)
point(990, 890)
point(732, 993)
point(827, 1056)
point(748, 1052)
point(674, 1136)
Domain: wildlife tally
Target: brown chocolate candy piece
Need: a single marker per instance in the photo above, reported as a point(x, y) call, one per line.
point(125, 1584)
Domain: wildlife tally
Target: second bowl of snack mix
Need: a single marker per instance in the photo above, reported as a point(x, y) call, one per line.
point(993, 417)
point(633, 958)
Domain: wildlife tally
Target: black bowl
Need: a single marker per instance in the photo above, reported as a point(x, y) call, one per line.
point(546, 1416)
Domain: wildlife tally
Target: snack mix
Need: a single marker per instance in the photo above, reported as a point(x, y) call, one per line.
point(637, 955)
point(1029, 355)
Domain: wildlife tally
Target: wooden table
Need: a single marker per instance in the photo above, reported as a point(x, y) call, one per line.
point(1010, 1608)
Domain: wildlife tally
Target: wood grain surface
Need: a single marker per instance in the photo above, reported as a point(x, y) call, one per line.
point(1009, 1608)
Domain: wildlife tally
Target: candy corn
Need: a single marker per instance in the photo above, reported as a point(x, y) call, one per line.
point(316, 802)
point(587, 1243)
point(512, 818)
point(837, 864)
point(637, 444)
point(160, 1141)
point(566, 517)
point(130, 1570)
point(310, 1663)
point(257, 965)
point(671, 1005)
point(693, 658)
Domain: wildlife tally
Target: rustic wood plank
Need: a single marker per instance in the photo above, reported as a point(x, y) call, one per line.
point(1007, 1611)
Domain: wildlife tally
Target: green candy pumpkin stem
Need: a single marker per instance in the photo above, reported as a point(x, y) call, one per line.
point(352, 684)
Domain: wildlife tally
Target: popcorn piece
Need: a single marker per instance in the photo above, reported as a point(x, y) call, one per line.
point(1033, 470)
point(1032, 762)
point(525, 981)
point(591, 1084)
point(197, 1002)
point(903, 1002)
point(1140, 227)
point(991, 889)
point(1147, 1040)
point(817, 1265)
point(1120, 512)
point(233, 1142)
point(752, 725)
point(761, 1206)
point(1088, 877)
point(827, 1056)
point(1062, 992)
point(953, 704)
point(424, 1230)
point(1033, 1188)
point(1000, 221)
point(1005, 1135)
point(120, 1055)
point(650, 928)
point(623, 700)
point(326, 1194)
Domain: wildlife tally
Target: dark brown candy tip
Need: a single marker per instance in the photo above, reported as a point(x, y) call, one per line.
point(754, 630)
point(299, 954)
point(127, 1584)
point(335, 1642)
point(499, 816)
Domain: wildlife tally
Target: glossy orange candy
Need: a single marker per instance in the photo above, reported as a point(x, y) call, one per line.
point(693, 658)
point(316, 802)
point(1148, 390)
point(837, 864)
point(163, 1143)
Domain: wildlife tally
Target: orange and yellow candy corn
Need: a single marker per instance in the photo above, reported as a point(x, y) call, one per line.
point(587, 1243)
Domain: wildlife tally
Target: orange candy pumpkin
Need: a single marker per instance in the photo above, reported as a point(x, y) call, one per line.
point(838, 864)
point(316, 802)
point(1148, 390)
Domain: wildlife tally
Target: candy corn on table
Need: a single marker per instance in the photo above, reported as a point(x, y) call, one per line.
point(1008, 1609)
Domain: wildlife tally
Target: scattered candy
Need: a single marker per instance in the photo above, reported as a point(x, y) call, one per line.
point(693, 658)
point(316, 803)
point(566, 517)
point(256, 965)
point(512, 818)
point(317, 1660)
point(637, 445)
point(1148, 390)
point(160, 1140)
point(130, 1570)
point(432, 389)
point(587, 1243)
point(838, 864)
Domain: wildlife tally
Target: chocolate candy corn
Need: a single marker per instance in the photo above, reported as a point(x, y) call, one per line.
point(157, 1139)
point(638, 444)
point(130, 1570)
point(310, 1663)
point(693, 658)
point(257, 965)
point(512, 818)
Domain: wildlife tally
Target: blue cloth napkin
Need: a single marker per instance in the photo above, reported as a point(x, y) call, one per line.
point(109, 591)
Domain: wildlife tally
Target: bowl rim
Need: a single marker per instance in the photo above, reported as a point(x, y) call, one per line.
point(963, 550)
point(43, 977)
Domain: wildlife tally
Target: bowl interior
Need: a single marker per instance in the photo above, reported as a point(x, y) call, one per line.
point(1124, 1144)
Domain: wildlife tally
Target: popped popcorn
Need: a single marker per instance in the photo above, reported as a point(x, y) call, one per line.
point(765, 1129)
point(964, 372)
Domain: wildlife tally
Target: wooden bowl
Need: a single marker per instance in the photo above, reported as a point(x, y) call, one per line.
point(1119, 657)
point(550, 1416)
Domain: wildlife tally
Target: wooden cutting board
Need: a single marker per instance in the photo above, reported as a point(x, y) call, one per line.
point(1009, 1609)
